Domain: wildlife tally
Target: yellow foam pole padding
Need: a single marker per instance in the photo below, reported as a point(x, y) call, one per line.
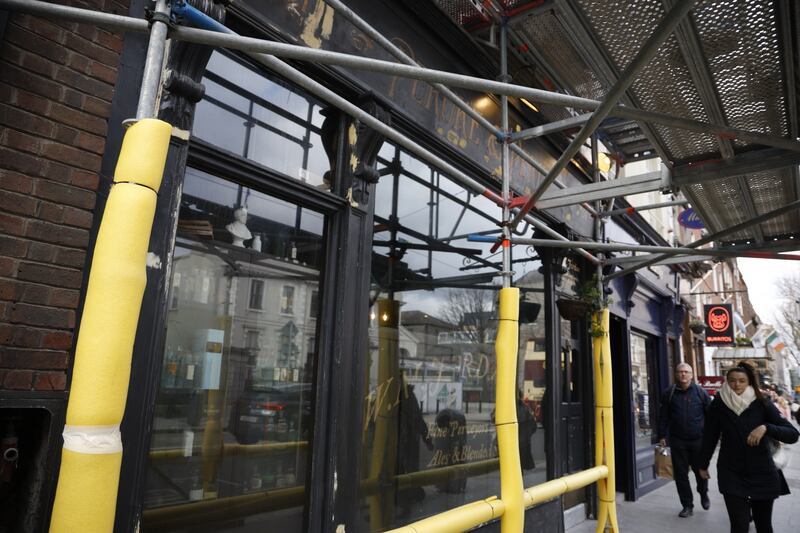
point(384, 444)
point(212, 443)
point(604, 425)
point(205, 512)
point(556, 487)
point(506, 344)
point(89, 475)
point(85, 480)
point(233, 449)
point(113, 300)
point(459, 519)
point(443, 473)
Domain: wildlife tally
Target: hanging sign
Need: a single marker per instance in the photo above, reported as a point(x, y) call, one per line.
point(719, 324)
point(690, 219)
point(711, 383)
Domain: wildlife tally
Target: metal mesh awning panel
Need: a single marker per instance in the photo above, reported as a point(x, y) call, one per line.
point(731, 63)
point(665, 84)
point(465, 13)
point(738, 39)
point(720, 204)
point(547, 35)
point(770, 191)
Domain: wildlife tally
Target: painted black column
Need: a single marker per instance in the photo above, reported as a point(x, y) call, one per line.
point(181, 92)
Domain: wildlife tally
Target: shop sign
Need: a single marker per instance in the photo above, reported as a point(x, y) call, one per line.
point(719, 324)
point(711, 383)
point(315, 24)
point(690, 219)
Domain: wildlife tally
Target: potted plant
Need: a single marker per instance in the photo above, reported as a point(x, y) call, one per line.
point(744, 341)
point(586, 300)
point(696, 325)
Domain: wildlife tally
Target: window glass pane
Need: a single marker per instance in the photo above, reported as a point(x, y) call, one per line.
point(383, 197)
point(641, 381)
point(275, 151)
point(413, 207)
point(279, 122)
point(226, 96)
point(233, 416)
point(207, 120)
point(429, 442)
point(256, 293)
point(274, 125)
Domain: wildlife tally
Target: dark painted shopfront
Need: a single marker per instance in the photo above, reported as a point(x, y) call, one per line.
point(316, 346)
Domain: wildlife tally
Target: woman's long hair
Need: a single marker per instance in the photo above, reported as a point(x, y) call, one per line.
point(752, 377)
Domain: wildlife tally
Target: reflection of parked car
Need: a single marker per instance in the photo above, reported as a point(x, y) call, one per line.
point(279, 412)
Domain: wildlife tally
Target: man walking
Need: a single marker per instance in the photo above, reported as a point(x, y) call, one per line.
point(682, 415)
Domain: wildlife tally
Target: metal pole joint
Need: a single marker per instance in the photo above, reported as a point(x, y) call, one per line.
point(168, 19)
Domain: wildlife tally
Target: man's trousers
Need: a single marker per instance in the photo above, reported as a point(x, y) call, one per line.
point(685, 454)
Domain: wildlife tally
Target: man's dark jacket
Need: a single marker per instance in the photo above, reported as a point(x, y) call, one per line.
point(683, 412)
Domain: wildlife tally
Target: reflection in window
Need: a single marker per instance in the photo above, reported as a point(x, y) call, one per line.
point(287, 300)
point(428, 412)
point(641, 383)
point(256, 293)
point(259, 118)
point(233, 416)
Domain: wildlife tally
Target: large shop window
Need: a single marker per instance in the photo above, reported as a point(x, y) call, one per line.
point(428, 439)
point(233, 419)
point(644, 393)
point(252, 115)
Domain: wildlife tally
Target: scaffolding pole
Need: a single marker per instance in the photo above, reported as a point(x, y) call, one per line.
point(792, 206)
point(622, 247)
point(635, 209)
point(91, 458)
point(317, 89)
point(650, 48)
point(374, 34)
point(248, 44)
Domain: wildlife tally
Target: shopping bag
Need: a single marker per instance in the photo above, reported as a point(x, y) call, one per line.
point(663, 462)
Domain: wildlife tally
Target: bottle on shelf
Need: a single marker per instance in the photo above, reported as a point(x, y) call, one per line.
point(269, 477)
point(170, 373)
point(186, 368)
point(255, 479)
point(291, 477)
point(196, 490)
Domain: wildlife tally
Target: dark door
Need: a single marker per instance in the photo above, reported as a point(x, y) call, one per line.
point(574, 396)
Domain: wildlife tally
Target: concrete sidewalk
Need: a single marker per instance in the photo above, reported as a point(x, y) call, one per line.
point(657, 512)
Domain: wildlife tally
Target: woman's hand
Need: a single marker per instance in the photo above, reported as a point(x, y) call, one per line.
point(756, 435)
point(704, 474)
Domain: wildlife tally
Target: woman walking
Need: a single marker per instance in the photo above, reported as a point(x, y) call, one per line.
point(747, 422)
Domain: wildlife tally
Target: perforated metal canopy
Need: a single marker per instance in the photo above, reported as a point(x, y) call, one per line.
point(730, 63)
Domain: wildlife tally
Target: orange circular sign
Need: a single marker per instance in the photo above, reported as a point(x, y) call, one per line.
point(718, 319)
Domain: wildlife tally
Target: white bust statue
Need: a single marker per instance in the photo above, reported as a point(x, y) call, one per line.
point(238, 228)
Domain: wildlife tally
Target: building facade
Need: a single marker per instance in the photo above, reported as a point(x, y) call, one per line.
point(315, 348)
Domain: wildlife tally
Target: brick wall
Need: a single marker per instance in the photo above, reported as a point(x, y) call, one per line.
point(56, 85)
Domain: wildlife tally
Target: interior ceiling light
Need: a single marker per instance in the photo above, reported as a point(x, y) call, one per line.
point(527, 103)
point(483, 103)
point(603, 162)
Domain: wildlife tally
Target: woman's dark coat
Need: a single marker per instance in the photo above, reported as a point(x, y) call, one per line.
point(746, 471)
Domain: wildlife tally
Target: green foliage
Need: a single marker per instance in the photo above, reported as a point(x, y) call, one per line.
point(696, 322)
point(596, 329)
point(590, 292)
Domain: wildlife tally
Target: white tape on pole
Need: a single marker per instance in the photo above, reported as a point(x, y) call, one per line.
point(93, 439)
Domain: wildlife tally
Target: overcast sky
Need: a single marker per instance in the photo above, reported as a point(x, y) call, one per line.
point(760, 276)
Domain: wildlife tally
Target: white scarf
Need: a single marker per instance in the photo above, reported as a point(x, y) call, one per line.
point(737, 402)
